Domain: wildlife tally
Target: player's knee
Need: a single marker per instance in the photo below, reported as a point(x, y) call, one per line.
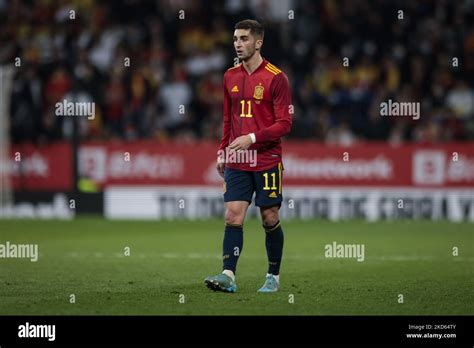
point(270, 217)
point(270, 224)
point(233, 217)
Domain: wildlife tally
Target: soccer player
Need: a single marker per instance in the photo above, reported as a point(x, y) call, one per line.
point(257, 113)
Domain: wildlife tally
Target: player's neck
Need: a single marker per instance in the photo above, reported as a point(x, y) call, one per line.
point(253, 63)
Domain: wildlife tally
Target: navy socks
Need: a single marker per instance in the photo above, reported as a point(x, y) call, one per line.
point(274, 244)
point(232, 246)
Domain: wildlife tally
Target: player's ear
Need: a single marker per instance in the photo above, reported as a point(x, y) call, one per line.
point(259, 44)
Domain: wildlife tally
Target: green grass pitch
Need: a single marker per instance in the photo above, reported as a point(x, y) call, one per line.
point(85, 257)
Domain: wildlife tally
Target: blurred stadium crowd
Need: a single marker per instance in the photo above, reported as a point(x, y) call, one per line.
point(180, 61)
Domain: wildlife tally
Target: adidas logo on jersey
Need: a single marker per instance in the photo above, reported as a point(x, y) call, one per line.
point(235, 89)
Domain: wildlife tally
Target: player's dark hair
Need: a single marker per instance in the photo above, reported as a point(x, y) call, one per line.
point(256, 29)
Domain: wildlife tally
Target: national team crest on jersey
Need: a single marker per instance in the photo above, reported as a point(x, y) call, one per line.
point(258, 92)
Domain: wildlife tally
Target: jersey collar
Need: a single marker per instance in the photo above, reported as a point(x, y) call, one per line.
point(261, 66)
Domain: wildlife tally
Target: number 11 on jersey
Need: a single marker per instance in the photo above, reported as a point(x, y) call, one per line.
point(249, 106)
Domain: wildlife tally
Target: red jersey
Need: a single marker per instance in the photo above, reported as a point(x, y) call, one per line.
point(258, 103)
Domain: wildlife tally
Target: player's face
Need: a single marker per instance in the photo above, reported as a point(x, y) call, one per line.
point(245, 44)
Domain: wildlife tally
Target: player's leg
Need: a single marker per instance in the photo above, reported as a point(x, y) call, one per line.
point(269, 198)
point(274, 239)
point(238, 191)
point(233, 235)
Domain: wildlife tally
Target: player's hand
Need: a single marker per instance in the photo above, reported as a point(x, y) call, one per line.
point(220, 167)
point(241, 143)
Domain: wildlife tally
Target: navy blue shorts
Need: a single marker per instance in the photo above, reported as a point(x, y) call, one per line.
point(240, 185)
